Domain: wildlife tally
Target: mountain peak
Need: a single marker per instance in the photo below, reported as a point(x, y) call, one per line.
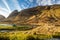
point(13, 14)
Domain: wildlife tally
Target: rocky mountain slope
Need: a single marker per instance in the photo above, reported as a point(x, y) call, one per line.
point(36, 15)
point(39, 14)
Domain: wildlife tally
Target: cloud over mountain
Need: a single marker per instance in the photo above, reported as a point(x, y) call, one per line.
point(8, 6)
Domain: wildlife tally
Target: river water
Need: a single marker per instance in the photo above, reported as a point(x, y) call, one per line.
point(54, 39)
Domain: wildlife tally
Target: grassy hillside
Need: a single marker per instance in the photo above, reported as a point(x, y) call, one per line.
point(38, 15)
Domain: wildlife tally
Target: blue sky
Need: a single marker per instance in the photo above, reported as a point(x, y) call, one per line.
point(7, 6)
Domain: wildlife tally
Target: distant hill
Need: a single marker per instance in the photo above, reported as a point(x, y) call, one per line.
point(11, 17)
point(2, 17)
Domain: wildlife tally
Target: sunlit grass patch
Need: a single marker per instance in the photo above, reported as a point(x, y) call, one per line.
point(22, 36)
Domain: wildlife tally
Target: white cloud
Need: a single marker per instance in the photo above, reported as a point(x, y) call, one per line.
point(53, 1)
point(49, 2)
point(44, 2)
point(16, 4)
point(3, 9)
point(4, 13)
point(31, 0)
point(58, 2)
point(38, 2)
point(23, 6)
point(4, 1)
point(27, 2)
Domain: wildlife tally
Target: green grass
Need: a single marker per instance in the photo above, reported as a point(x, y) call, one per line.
point(15, 27)
point(6, 27)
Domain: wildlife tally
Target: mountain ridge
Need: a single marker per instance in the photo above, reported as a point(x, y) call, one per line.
point(50, 12)
point(30, 15)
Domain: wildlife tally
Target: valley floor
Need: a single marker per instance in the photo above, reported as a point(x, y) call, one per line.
point(27, 33)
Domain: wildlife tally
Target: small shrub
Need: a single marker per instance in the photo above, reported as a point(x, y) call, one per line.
point(34, 33)
point(14, 25)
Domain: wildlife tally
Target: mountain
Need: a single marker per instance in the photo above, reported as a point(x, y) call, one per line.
point(39, 14)
point(2, 17)
point(36, 15)
point(13, 15)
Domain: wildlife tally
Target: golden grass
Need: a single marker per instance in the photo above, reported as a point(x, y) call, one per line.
point(22, 36)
